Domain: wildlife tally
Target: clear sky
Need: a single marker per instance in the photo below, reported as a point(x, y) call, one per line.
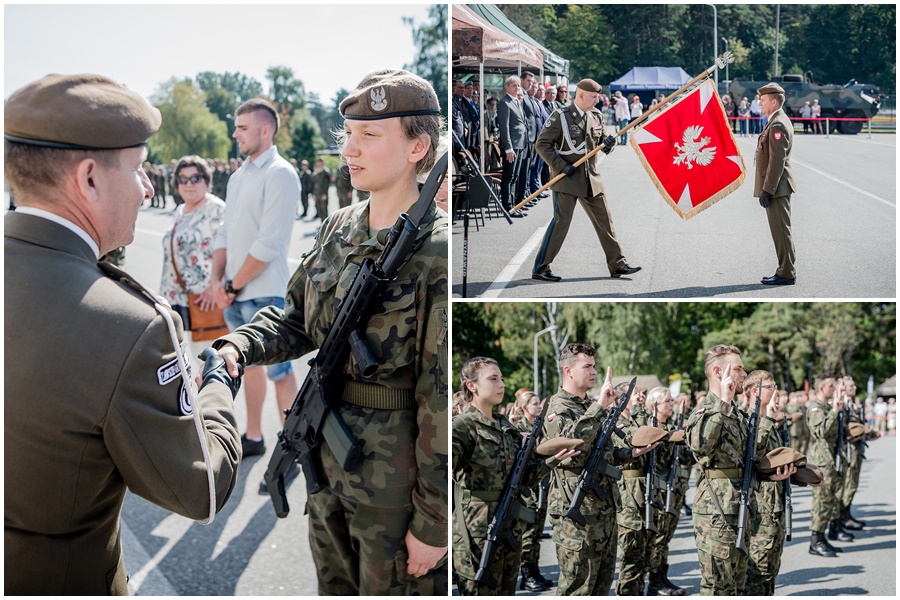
point(328, 46)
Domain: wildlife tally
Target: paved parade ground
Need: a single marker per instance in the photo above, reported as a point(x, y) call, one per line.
point(844, 227)
point(867, 567)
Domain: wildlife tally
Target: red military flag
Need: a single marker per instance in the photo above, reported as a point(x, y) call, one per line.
point(690, 153)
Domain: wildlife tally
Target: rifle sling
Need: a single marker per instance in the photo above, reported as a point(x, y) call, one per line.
point(379, 397)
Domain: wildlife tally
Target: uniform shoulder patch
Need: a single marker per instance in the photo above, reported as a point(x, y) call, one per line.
point(168, 373)
point(551, 416)
point(777, 135)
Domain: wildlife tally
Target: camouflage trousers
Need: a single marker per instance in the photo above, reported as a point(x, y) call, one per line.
point(531, 541)
point(633, 560)
point(765, 549)
point(826, 499)
point(658, 555)
point(322, 207)
point(503, 571)
point(359, 550)
point(851, 478)
point(723, 570)
point(586, 555)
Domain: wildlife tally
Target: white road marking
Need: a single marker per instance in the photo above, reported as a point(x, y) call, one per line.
point(506, 275)
point(148, 580)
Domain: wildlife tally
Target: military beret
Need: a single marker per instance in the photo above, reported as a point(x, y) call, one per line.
point(810, 474)
point(646, 435)
point(79, 112)
point(677, 436)
point(780, 457)
point(554, 445)
point(854, 430)
point(390, 93)
point(589, 85)
point(770, 88)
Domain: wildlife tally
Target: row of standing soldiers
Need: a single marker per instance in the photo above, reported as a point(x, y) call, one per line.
point(715, 436)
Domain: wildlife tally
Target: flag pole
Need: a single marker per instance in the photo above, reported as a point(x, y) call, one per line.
point(724, 59)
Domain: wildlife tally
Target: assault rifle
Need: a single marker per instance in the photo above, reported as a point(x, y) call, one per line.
point(673, 473)
point(596, 466)
point(501, 525)
point(749, 479)
point(313, 416)
point(839, 446)
point(652, 484)
point(788, 507)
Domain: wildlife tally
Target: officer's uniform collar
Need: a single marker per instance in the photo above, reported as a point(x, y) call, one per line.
point(37, 212)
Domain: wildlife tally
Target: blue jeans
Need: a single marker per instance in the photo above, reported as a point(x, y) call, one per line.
point(623, 123)
point(241, 313)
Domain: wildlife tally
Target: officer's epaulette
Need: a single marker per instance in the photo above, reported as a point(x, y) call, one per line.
point(121, 276)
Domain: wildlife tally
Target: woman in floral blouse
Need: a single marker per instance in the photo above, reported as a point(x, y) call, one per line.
point(194, 229)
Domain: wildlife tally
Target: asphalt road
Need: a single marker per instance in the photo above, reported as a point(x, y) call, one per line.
point(867, 567)
point(844, 226)
point(247, 550)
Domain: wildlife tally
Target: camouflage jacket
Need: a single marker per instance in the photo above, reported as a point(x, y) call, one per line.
point(770, 495)
point(405, 450)
point(717, 435)
point(631, 488)
point(799, 428)
point(321, 182)
point(823, 426)
point(574, 417)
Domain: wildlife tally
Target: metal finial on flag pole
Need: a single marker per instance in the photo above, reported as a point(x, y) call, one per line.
point(721, 61)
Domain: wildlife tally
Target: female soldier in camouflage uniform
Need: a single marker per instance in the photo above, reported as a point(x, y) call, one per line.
point(528, 407)
point(381, 529)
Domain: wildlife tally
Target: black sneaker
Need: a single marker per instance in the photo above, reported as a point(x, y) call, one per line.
point(252, 447)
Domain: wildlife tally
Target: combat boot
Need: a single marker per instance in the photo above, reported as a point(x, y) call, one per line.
point(848, 522)
point(657, 585)
point(819, 547)
point(531, 579)
point(676, 591)
point(836, 533)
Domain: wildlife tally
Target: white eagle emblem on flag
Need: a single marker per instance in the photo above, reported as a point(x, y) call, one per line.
point(378, 99)
point(692, 148)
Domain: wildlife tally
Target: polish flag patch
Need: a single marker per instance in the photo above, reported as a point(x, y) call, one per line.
point(551, 416)
point(777, 135)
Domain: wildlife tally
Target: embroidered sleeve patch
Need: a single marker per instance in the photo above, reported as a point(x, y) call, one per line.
point(777, 135)
point(551, 416)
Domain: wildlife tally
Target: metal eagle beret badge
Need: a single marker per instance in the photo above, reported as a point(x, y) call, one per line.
point(390, 93)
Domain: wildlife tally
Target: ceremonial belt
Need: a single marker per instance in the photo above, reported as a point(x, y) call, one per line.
point(724, 473)
point(632, 473)
point(370, 395)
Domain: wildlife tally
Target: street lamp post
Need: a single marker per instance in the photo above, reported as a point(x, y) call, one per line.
point(536, 336)
point(727, 79)
point(716, 41)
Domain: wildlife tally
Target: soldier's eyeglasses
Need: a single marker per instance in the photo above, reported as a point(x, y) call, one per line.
point(195, 179)
point(769, 386)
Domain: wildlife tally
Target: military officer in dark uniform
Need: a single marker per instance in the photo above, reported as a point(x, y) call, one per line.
point(568, 135)
point(98, 392)
point(774, 180)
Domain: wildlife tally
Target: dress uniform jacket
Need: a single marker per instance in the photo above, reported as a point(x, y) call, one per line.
point(405, 464)
point(585, 134)
point(773, 157)
point(94, 403)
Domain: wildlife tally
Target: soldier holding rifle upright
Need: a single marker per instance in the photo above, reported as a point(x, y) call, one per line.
point(586, 553)
point(380, 527)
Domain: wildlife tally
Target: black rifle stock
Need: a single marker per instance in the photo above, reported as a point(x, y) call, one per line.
point(501, 525)
point(651, 484)
point(312, 418)
point(839, 446)
point(788, 507)
point(749, 480)
point(596, 466)
point(673, 473)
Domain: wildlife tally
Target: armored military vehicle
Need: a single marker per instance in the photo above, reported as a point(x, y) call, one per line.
point(852, 101)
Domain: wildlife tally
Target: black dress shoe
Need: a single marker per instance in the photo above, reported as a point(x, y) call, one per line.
point(546, 276)
point(517, 214)
point(777, 280)
point(625, 270)
point(544, 194)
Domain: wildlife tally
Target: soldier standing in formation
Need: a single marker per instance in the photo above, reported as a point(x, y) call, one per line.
point(774, 182)
point(343, 186)
point(799, 428)
point(567, 136)
point(382, 528)
point(854, 457)
point(321, 182)
point(767, 526)
point(586, 554)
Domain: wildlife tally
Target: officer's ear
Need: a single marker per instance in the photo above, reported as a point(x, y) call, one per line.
point(85, 174)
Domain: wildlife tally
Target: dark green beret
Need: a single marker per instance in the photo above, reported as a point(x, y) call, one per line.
point(390, 93)
point(79, 112)
point(646, 435)
point(589, 85)
point(780, 457)
point(770, 88)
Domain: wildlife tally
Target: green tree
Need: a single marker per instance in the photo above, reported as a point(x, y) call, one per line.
point(224, 92)
point(584, 36)
point(430, 61)
point(188, 126)
point(306, 138)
